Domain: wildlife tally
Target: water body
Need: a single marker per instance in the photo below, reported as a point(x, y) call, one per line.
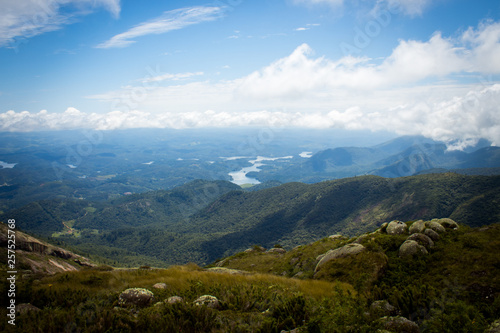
point(240, 177)
point(6, 165)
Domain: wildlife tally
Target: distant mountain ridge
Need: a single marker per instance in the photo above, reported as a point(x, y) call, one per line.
point(400, 157)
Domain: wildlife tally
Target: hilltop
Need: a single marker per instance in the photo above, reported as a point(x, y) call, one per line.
point(449, 282)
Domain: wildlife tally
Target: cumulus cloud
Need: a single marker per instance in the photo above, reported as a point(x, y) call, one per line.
point(23, 19)
point(168, 21)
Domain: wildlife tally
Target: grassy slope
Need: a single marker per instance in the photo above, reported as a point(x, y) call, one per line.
point(455, 288)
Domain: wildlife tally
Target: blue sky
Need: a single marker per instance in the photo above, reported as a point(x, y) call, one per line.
point(407, 66)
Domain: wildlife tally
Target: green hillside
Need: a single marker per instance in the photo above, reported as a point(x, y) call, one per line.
point(203, 221)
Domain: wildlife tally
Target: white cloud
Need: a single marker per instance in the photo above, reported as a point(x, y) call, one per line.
point(408, 7)
point(168, 76)
point(23, 19)
point(168, 21)
point(460, 120)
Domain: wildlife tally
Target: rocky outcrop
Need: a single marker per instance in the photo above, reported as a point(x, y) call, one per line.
point(399, 325)
point(382, 308)
point(410, 248)
point(137, 297)
point(208, 301)
point(277, 250)
point(397, 228)
point(341, 252)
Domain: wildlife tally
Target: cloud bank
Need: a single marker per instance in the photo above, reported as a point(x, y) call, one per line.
point(22, 19)
point(461, 120)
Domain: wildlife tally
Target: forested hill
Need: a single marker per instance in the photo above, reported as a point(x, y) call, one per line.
point(203, 221)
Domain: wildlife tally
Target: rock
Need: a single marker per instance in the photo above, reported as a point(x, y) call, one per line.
point(160, 285)
point(335, 237)
point(361, 238)
point(383, 227)
point(24, 308)
point(174, 299)
point(422, 240)
point(208, 301)
point(344, 251)
point(447, 223)
point(411, 247)
point(382, 308)
point(494, 327)
point(255, 249)
point(397, 228)
point(136, 297)
point(431, 234)
point(228, 270)
point(417, 227)
point(437, 227)
point(276, 250)
point(399, 325)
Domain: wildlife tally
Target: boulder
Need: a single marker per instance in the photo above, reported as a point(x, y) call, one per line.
point(447, 223)
point(344, 251)
point(417, 227)
point(437, 227)
point(382, 308)
point(335, 237)
point(494, 327)
point(24, 308)
point(411, 247)
point(276, 250)
point(174, 299)
point(431, 234)
point(383, 227)
point(160, 285)
point(208, 301)
point(139, 297)
point(397, 228)
point(399, 325)
point(422, 240)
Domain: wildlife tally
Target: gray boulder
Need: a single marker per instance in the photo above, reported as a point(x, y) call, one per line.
point(417, 227)
point(447, 223)
point(383, 227)
point(341, 252)
point(431, 234)
point(208, 301)
point(382, 308)
point(24, 308)
point(422, 240)
point(399, 325)
point(397, 228)
point(410, 248)
point(174, 299)
point(160, 285)
point(276, 250)
point(139, 297)
point(437, 227)
point(334, 237)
